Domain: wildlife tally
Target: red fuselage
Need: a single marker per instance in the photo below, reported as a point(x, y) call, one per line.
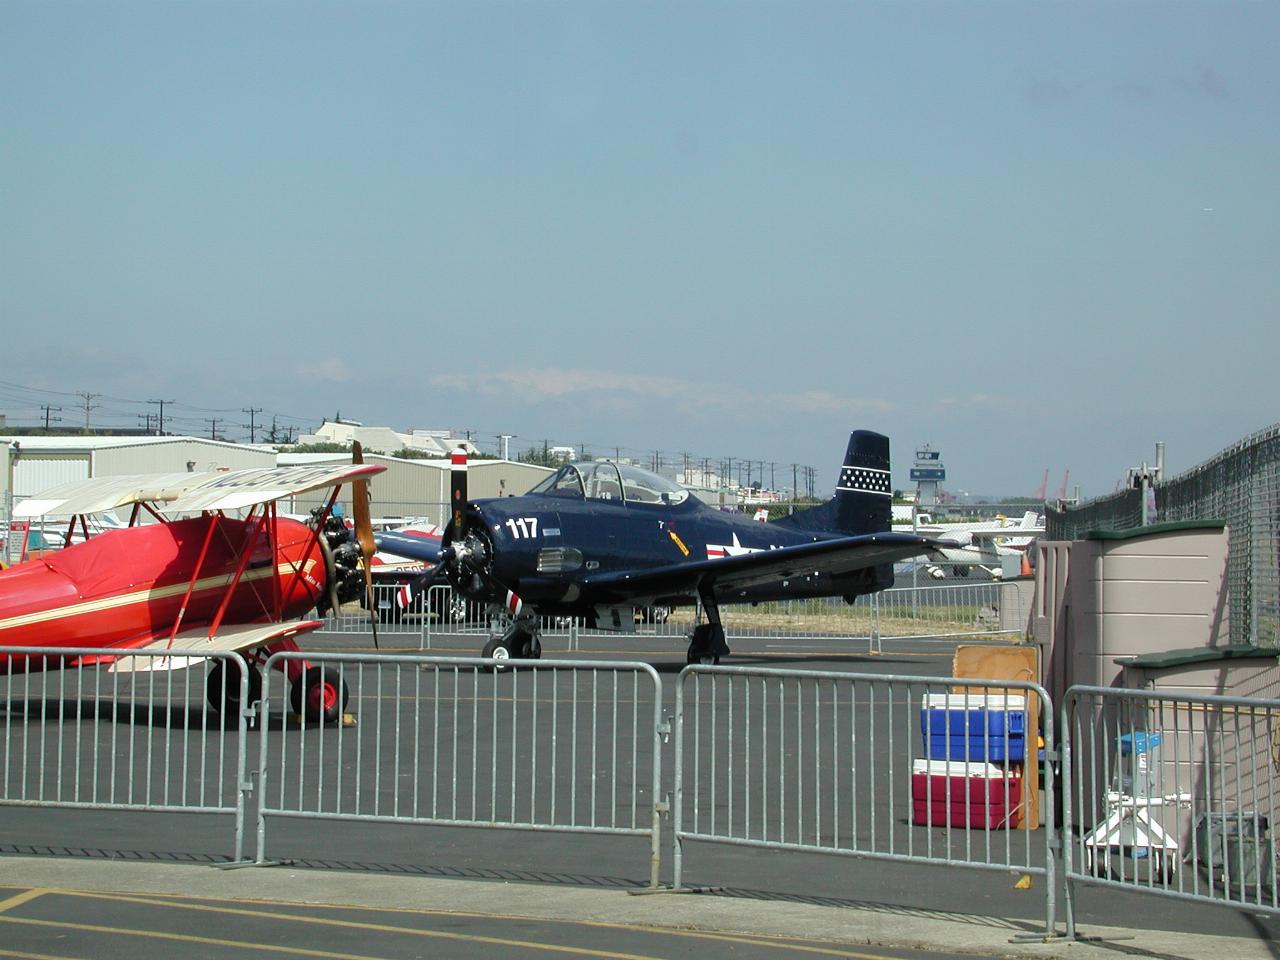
point(126, 587)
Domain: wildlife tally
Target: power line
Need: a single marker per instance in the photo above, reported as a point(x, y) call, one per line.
point(251, 426)
point(160, 419)
point(89, 405)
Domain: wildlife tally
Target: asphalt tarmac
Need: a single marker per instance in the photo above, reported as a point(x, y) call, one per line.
point(511, 879)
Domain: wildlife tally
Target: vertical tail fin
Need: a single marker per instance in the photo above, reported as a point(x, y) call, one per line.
point(864, 492)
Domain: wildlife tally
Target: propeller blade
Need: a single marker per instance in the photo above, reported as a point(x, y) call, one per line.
point(458, 489)
point(409, 592)
point(364, 537)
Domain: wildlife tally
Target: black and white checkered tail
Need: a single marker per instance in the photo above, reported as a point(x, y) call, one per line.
point(864, 492)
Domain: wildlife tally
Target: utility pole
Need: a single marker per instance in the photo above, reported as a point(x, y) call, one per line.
point(252, 425)
point(160, 418)
point(213, 426)
point(48, 419)
point(89, 405)
point(504, 445)
point(146, 418)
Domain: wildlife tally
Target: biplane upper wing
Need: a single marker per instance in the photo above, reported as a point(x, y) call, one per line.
point(843, 555)
point(190, 492)
point(191, 646)
point(248, 488)
point(100, 494)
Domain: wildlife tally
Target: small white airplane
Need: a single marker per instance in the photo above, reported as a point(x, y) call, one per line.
point(983, 545)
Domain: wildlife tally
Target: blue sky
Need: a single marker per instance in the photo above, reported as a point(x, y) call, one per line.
point(1036, 235)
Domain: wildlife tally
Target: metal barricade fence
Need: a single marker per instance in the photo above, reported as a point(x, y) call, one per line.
point(569, 745)
point(140, 737)
point(941, 611)
point(883, 767)
point(1171, 794)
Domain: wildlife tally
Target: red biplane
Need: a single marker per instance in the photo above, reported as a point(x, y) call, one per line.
point(196, 580)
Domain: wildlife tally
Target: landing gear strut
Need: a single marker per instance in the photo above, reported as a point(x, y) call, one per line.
point(521, 640)
point(707, 644)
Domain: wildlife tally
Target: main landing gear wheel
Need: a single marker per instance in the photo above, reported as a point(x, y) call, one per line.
point(707, 644)
point(497, 649)
point(519, 642)
point(222, 687)
point(319, 696)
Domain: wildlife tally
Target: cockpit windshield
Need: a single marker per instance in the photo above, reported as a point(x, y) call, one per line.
point(605, 480)
point(565, 482)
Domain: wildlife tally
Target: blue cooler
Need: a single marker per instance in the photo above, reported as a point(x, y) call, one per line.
point(980, 728)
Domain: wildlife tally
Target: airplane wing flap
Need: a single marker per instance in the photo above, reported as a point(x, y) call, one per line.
point(191, 646)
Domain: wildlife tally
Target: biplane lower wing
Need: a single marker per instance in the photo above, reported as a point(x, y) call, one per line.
point(192, 646)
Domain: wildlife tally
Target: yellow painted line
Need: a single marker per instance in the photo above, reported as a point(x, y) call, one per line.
point(142, 596)
point(310, 921)
point(32, 956)
point(187, 938)
point(26, 896)
point(762, 940)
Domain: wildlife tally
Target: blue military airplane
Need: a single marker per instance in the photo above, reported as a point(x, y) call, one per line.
point(600, 540)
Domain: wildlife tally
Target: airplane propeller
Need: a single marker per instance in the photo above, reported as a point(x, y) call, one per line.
point(467, 561)
point(364, 537)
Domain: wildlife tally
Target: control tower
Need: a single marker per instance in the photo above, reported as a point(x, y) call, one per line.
point(928, 472)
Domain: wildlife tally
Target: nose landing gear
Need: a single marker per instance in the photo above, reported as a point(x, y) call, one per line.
point(521, 639)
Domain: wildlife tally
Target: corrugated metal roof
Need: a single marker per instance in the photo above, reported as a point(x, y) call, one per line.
point(84, 444)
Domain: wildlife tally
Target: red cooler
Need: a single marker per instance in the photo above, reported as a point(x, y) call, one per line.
point(959, 794)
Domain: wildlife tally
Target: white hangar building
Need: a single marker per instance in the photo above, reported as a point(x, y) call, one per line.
point(34, 464)
point(420, 488)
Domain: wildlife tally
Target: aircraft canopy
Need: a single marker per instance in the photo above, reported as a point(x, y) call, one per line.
point(606, 480)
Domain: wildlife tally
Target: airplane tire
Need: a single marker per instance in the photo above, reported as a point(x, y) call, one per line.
point(222, 687)
point(497, 649)
point(704, 643)
point(319, 696)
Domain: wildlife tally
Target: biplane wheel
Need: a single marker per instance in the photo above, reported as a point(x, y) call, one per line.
point(222, 688)
point(319, 696)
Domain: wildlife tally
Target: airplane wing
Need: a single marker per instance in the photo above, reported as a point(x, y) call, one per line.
point(1008, 533)
point(100, 494)
point(247, 488)
point(191, 646)
point(841, 556)
point(411, 544)
point(190, 492)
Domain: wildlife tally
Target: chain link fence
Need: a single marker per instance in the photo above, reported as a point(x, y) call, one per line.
point(1240, 487)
